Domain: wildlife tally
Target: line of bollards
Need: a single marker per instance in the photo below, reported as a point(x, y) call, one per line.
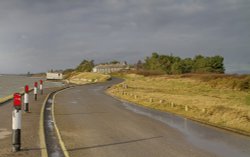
point(17, 113)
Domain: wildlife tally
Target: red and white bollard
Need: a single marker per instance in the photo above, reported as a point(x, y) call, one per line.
point(16, 123)
point(26, 99)
point(35, 90)
point(41, 87)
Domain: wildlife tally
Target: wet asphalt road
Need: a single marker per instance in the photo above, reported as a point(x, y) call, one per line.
point(94, 124)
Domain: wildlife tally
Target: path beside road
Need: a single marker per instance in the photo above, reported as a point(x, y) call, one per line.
point(30, 128)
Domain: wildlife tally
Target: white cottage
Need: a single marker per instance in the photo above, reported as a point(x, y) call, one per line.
point(109, 68)
point(54, 76)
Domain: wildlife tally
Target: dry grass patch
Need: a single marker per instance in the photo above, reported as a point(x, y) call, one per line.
point(87, 77)
point(191, 97)
point(5, 98)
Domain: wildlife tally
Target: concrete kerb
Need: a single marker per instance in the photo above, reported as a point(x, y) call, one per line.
point(44, 152)
point(43, 146)
point(65, 152)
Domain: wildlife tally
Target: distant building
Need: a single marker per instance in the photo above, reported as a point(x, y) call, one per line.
point(54, 75)
point(109, 68)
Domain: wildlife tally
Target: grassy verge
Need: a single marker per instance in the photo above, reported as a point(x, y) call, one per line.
point(87, 77)
point(9, 97)
point(190, 97)
point(4, 99)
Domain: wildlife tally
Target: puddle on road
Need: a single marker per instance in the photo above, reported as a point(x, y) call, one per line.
point(4, 133)
point(52, 143)
point(97, 89)
point(50, 101)
point(55, 153)
point(73, 102)
point(50, 122)
point(217, 141)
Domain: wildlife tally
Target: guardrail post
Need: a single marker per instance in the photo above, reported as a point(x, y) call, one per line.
point(35, 90)
point(41, 87)
point(26, 98)
point(16, 123)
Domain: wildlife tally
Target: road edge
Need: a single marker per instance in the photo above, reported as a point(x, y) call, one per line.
point(43, 146)
point(65, 152)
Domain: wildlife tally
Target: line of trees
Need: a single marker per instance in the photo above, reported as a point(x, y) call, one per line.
point(167, 64)
point(170, 64)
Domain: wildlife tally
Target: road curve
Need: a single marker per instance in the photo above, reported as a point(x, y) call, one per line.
point(92, 123)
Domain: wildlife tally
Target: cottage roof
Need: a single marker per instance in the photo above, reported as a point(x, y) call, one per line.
point(105, 66)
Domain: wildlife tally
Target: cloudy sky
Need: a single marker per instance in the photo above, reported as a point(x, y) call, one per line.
point(38, 35)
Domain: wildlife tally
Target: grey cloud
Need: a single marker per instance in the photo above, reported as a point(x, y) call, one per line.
point(45, 34)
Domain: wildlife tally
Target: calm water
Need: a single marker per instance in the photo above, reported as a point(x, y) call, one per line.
point(10, 84)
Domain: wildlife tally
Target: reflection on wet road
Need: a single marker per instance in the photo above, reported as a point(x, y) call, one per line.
point(220, 142)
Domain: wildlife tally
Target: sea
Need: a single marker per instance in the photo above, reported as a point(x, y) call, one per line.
point(10, 84)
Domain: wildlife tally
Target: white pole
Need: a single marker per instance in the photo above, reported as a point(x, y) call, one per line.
point(35, 92)
point(16, 123)
point(26, 102)
point(41, 89)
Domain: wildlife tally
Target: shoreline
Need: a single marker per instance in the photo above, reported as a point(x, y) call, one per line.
point(5, 99)
point(10, 97)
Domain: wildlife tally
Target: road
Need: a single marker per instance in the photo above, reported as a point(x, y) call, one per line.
point(93, 123)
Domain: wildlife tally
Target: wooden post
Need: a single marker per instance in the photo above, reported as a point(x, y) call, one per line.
point(151, 100)
point(172, 104)
point(203, 110)
point(125, 86)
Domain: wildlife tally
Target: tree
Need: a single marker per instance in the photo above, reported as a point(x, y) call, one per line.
point(188, 65)
point(66, 71)
point(170, 64)
point(85, 66)
point(177, 68)
point(161, 63)
point(139, 65)
point(217, 64)
point(114, 62)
